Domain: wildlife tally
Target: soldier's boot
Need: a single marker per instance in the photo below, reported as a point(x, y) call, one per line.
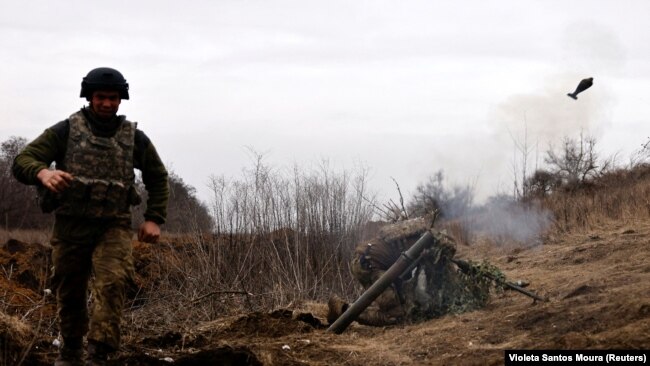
point(71, 353)
point(336, 307)
point(98, 353)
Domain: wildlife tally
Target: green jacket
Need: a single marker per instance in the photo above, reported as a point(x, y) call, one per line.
point(51, 146)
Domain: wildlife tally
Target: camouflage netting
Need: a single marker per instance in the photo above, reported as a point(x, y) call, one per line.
point(403, 230)
point(439, 288)
point(391, 241)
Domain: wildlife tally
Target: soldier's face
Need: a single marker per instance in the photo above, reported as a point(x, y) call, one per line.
point(105, 103)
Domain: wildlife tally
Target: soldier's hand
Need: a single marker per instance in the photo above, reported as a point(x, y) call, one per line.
point(55, 180)
point(149, 232)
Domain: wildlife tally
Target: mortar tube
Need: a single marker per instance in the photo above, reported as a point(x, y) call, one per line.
point(403, 262)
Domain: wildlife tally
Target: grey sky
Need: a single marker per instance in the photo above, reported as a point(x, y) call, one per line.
point(403, 87)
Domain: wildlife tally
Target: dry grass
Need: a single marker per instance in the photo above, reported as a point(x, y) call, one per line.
point(622, 195)
point(284, 241)
point(185, 280)
point(280, 238)
point(25, 236)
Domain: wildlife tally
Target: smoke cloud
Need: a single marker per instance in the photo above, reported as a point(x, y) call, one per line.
point(506, 222)
point(548, 114)
point(545, 111)
point(543, 116)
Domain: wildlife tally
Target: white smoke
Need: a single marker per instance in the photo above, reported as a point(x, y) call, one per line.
point(536, 119)
point(506, 222)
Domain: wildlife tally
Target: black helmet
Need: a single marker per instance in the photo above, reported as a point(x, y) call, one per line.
point(104, 78)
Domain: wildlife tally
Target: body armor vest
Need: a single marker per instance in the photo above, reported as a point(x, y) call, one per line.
point(102, 168)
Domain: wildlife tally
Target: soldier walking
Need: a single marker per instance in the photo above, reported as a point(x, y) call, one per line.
point(91, 188)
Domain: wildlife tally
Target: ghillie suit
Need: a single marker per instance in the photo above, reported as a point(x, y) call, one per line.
point(432, 288)
point(439, 287)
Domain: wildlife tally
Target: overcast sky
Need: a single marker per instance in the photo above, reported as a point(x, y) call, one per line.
point(403, 87)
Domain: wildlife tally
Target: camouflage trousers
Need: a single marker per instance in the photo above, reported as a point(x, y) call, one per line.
point(85, 249)
point(387, 308)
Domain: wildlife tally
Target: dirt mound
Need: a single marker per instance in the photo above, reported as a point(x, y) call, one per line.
point(276, 337)
point(24, 275)
point(225, 356)
point(275, 324)
point(26, 264)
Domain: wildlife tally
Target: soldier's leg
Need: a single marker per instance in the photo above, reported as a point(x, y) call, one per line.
point(71, 272)
point(113, 269)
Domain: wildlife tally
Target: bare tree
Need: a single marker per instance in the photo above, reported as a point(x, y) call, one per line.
point(576, 160)
point(18, 204)
point(185, 212)
point(432, 196)
point(520, 163)
point(391, 211)
point(288, 233)
point(541, 184)
point(641, 156)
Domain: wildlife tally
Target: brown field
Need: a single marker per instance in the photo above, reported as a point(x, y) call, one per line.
point(594, 266)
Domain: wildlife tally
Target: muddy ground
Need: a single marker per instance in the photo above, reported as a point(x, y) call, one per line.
point(598, 283)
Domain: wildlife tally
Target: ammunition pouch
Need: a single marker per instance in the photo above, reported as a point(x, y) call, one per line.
point(97, 198)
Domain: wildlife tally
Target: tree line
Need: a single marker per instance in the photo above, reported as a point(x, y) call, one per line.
point(573, 164)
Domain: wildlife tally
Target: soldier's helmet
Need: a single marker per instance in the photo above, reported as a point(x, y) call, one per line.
point(104, 78)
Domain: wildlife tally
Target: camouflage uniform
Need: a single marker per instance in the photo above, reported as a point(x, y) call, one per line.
point(435, 287)
point(373, 258)
point(92, 231)
point(105, 252)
